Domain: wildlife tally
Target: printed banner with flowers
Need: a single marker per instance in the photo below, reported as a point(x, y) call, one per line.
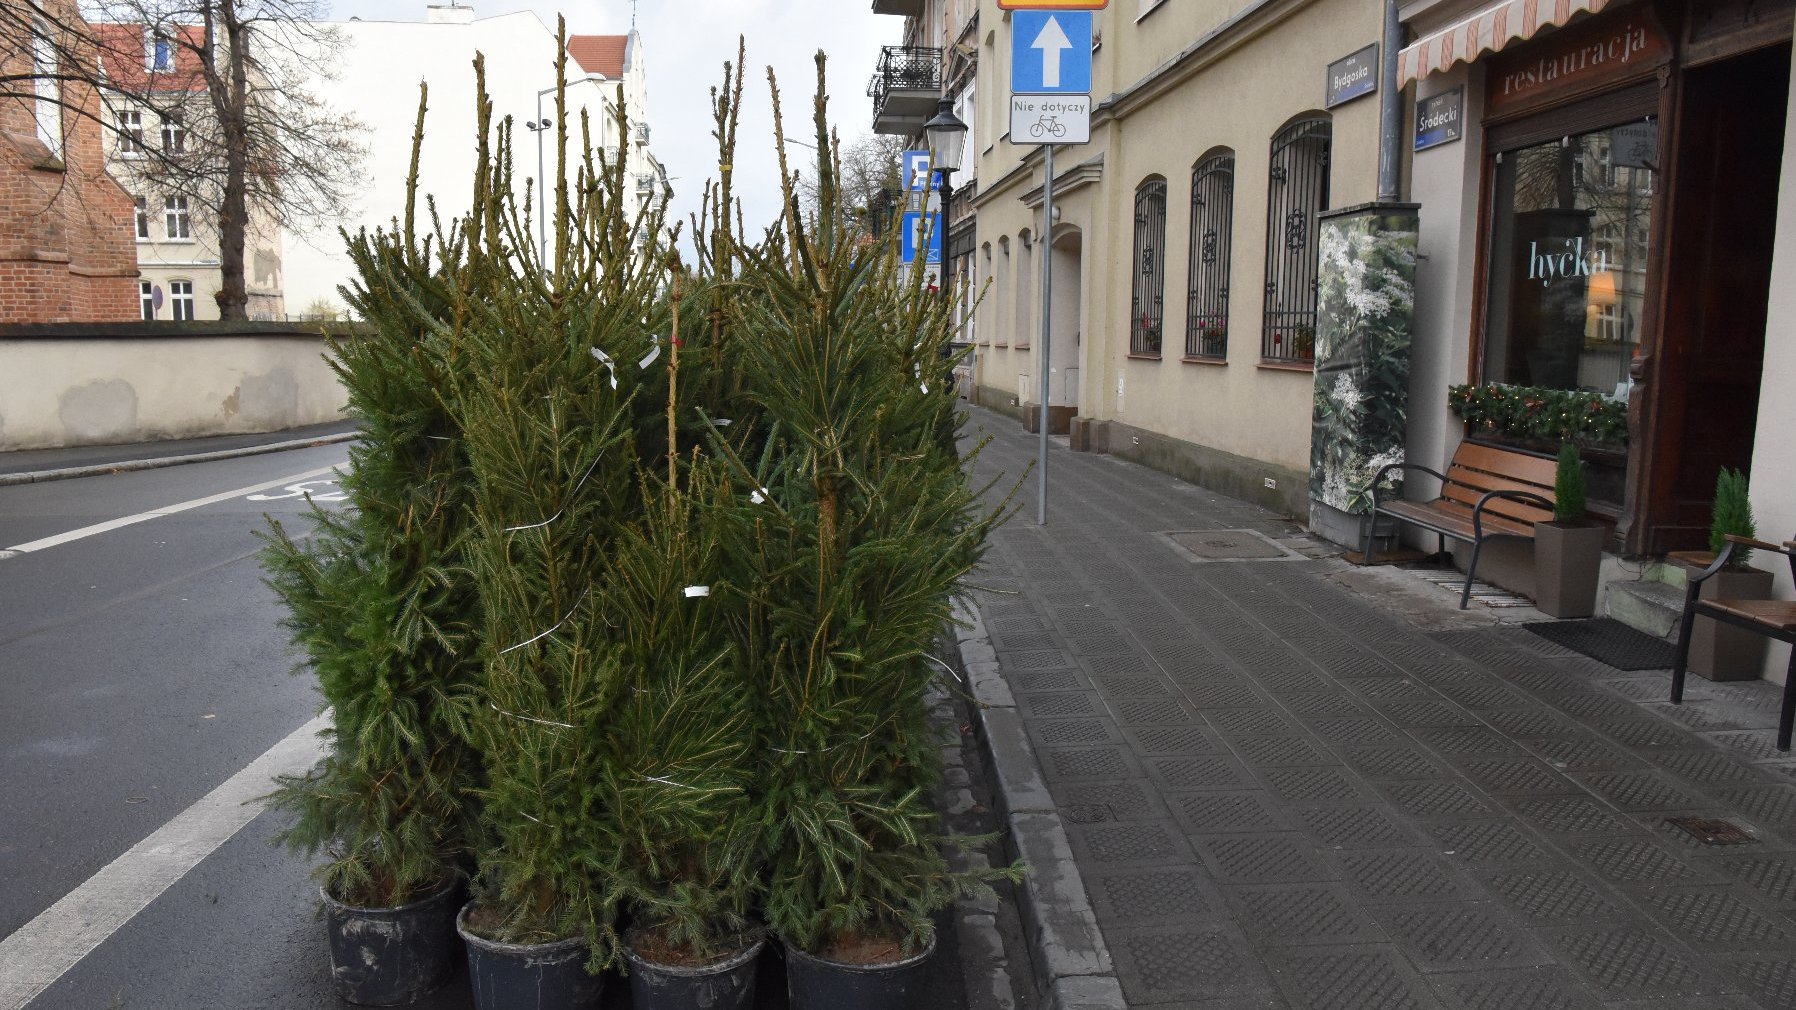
point(1365, 305)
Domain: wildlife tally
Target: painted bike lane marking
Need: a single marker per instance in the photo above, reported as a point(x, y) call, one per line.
point(44, 949)
point(109, 525)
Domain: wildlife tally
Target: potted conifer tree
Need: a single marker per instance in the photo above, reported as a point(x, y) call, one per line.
point(1722, 652)
point(1568, 552)
point(848, 579)
point(376, 605)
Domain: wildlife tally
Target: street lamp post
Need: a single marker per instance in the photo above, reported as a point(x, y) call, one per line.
point(540, 126)
point(947, 144)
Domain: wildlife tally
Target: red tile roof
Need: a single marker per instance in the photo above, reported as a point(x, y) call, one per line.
point(599, 54)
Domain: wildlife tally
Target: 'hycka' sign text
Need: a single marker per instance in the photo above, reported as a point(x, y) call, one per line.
point(1569, 260)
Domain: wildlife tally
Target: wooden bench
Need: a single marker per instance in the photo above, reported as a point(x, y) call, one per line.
point(1486, 493)
point(1772, 618)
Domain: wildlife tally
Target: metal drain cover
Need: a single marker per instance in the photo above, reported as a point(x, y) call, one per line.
point(1712, 830)
point(1227, 545)
point(1086, 813)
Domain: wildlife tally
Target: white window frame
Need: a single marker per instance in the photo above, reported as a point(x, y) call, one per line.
point(158, 52)
point(174, 134)
point(47, 110)
point(130, 133)
point(142, 214)
point(146, 298)
point(178, 298)
point(177, 220)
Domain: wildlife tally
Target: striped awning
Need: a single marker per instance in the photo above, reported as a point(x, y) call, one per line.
point(1488, 31)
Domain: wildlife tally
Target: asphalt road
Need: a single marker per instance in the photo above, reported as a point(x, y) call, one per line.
point(142, 668)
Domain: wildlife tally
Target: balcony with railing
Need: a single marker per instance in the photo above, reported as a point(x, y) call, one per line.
point(905, 88)
point(908, 8)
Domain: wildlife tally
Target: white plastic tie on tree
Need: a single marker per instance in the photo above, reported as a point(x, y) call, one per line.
point(558, 512)
point(826, 750)
point(529, 718)
point(951, 671)
point(610, 366)
point(722, 422)
point(693, 592)
point(761, 496)
point(919, 374)
point(670, 782)
point(649, 358)
point(539, 637)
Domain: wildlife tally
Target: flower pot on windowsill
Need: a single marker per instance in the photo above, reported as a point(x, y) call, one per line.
point(1567, 560)
point(1720, 651)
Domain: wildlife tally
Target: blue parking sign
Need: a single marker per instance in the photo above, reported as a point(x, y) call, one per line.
point(917, 176)
point(1050, 52)
point(916, 224)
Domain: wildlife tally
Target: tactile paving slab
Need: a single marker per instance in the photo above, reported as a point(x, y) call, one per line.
point(1460, 935)
point(1253, 859)
point(1199, 772)
point(1641, 791)
point(1552, 897)
point(1128, 842)
point(1401, 873)
point(1717, 918)
point(1436, 799)
point(1170, 894)
point(1309, 914)
point(1171, 740)
point(1772, 876)
point(1249, 721)
point(1219, 813)
point(1127, 801)
point(1354, 827)
point(1188, 964)
point(1353, 979)
point(1575, 815)
point(1279, 751)
point(1392, 763)
point(1486, 842)
point(1518, 775)
point(1626, 962)
point(1314, 785)
point(1634, 860)
point(1087, 763)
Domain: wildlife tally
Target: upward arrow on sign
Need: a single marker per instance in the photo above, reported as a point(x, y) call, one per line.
point(1052, 42)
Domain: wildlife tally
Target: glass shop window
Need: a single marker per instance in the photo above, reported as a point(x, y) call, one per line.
point(1570, 230)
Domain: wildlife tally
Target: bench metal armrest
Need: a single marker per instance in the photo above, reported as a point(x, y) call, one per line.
point(1521, 496)
point(1761, 545)
point(1388, 467)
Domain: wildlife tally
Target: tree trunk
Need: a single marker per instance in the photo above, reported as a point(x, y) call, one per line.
point(233, 210)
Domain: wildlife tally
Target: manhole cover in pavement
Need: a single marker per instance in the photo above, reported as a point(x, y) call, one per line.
point(1227, 545)
point(1712, 830)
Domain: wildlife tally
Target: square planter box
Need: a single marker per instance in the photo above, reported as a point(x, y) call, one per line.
point(1719, 651)
point(1567, 562)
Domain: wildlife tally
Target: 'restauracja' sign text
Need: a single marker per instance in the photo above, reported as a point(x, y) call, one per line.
point(1600, 51)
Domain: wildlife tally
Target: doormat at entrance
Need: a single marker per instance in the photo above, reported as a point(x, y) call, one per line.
point(1607, 640)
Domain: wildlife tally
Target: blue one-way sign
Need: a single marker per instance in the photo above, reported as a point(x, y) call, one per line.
point(1050, 52)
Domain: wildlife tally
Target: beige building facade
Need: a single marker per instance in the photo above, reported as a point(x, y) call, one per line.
point(1183, 312)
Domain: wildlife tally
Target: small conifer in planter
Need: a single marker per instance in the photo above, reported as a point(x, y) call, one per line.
point(1717, 651)
point(378, 606)
point(1568, 552)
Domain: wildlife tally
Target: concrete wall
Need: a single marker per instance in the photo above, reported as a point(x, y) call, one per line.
point(1773, 455)
point(63, 390)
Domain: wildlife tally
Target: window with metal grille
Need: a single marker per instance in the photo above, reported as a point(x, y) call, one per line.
point(1148, 303)
point(1212, 232)
point(1298, 192)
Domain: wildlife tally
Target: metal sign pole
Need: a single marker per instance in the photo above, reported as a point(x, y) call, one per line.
point(1046, 241)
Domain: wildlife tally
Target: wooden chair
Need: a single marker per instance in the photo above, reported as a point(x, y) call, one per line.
point(1772, 618)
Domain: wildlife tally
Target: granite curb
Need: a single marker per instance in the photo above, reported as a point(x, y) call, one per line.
point(1071, 961)
point(127, 466)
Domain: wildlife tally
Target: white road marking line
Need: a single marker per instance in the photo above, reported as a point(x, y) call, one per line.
point(113, 524)
point(45, 948)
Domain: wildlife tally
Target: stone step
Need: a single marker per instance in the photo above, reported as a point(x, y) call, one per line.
point(1646, 605)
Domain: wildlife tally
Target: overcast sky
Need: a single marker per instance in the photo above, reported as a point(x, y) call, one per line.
point(687, 42)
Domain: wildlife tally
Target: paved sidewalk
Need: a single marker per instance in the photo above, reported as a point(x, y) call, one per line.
point(1282, 791)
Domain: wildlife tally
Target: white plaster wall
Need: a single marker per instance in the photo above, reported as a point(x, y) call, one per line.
point(57, 392)
point(377, 74)
point(1773, 457)
point(1445, 181)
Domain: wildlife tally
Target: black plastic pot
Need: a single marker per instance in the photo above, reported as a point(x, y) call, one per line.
point(392, 956)
point(532, 976)
point(813, 983)
point(726, 985)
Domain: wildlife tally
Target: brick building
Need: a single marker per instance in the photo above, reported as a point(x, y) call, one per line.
point(66, 248)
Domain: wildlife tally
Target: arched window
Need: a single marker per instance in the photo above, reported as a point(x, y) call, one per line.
point(1298, 191)
point(1026, 281)
point(1001, 290)
point(1212, 234)
point(1147, 304)
point(984, 333)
